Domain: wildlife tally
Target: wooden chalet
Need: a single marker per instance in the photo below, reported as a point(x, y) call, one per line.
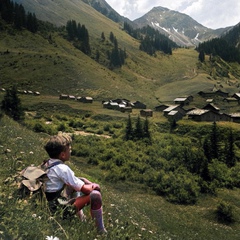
point(174, 108)
point(235, 117)
point(146, 113)
point(203, 115)
point(211, 107)
point(63, 96)
point(175, 116)
point(213, 93)
point(139, 105)
point(85, 99)
point(161, 107)
point(183, 100)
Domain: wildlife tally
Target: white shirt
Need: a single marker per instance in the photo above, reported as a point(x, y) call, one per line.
point(59, 175)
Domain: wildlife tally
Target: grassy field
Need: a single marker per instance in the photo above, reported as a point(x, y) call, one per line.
point(54, 67)
point(131, 211)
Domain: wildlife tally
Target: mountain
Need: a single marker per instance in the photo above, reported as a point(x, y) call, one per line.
point(53, 65)
point(180, 28)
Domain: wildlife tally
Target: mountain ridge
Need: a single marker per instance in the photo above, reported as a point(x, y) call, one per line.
point(152, 80)
point(179, 27)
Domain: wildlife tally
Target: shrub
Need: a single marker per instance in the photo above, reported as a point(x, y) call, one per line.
point(225, 212)
point(178, 187)
point(39, 127)
point(219, 173)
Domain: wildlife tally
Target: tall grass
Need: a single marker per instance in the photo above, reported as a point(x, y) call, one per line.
point(131, 210)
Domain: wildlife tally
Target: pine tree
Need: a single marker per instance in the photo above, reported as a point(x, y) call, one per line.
point(229, 151)
point(111, 37)
point(103, 36)
point(214, 140)
point(129, 129)
point(201, 56)
point(138, 132)
point(11, 105)
point(146, 132)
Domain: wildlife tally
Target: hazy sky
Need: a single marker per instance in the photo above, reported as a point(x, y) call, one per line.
point(210, 13)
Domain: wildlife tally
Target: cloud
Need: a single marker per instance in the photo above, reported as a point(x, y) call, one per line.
point(210, 13)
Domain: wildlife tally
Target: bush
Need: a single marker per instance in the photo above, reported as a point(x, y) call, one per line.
point(225, 212)
point(38, 127)
point(220, 173)
point(178, 187)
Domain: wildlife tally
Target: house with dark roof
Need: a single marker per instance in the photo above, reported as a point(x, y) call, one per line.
point(85, 99)
point(235, 117)
point(146, 113)
point(231, 100)
point(139, 105)
point(161, 107)
point(213, 93)
point(205, 115)
point(183, 100)
point(212, 107)
point(63, 96)
point(237, 96)
point(174, 116)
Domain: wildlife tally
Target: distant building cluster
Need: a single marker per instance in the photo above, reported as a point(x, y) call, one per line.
point(36, 93)
point(125, 105)
point(79, 99)
point(210, 112)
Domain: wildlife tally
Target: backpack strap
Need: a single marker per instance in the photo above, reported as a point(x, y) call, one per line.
point(45, 166)
point(53, 164)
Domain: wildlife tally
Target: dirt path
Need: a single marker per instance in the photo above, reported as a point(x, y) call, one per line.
point(82, 133)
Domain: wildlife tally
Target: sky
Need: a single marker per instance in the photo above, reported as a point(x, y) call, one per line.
point(210, 13)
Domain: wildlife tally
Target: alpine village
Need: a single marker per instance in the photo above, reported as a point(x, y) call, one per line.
point(153, 109)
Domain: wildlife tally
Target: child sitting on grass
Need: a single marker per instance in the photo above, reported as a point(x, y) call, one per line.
point(60, 176)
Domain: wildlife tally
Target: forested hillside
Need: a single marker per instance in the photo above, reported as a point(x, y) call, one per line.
point(107, 64)
point(160, 179)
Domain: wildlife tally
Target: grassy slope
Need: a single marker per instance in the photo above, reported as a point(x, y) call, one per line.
point(59, 68)
point(129, 210)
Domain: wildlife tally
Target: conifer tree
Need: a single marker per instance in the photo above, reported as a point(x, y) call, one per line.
point(19, 20)
point(138, 131)
point(229, 151)
point(146, 132)
point(129, 129)
point(11, 105)
point(111, 37)
point(103, 36)
point(214, 141)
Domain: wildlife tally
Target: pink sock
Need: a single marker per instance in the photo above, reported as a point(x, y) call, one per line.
point(96, 210)
point(97, 215)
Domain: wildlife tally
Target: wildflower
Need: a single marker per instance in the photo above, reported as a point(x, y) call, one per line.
point(34, 215)
point(52, 238)
point(31, 152)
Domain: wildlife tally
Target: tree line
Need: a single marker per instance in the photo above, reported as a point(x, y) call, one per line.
point(140, 132)
point(79, 34)
point(14, 13)
point(151, 40)
point(225, 47)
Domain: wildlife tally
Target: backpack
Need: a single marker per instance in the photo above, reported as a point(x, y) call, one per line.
point(32, 180)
